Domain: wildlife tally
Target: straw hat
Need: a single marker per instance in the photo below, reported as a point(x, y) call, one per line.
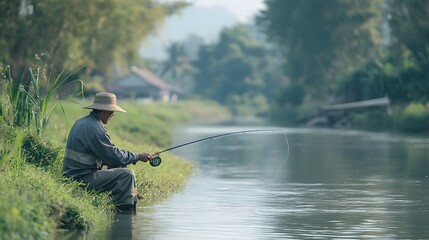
point(105, 101)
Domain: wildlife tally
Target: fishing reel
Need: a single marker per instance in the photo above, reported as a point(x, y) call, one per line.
point(155, 161)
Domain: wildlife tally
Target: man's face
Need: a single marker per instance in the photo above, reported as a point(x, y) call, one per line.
point(106, 116)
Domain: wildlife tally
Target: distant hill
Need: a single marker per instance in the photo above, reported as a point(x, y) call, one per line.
point(203, 22)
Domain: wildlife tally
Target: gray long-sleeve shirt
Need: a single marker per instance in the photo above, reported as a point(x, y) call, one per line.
point(88, 144)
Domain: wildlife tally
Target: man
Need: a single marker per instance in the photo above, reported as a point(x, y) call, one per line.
point(89, 147)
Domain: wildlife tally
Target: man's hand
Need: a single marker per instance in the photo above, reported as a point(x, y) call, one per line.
point(145, 157)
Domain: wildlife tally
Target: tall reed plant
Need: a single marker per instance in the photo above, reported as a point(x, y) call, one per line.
point(18, 111)
point(45, 90)
point(34, 97)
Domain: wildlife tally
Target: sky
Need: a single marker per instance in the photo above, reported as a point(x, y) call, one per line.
point(243, 9)
point(206, 18)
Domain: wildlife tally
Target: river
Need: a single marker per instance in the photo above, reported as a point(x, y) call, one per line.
point(330, 184)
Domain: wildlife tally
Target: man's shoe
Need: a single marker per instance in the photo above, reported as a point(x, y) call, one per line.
point(126, 208)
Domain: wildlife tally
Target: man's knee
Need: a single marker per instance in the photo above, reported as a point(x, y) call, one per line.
point(126, 173)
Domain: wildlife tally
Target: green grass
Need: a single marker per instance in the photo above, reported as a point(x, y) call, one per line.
point(36, 201)
point(156, 184)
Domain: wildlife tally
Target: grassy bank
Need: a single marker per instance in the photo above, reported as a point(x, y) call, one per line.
point(35, 201)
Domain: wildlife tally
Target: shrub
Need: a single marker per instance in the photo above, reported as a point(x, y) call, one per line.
point(372, 120)
point(414, 118)
point(42, 153)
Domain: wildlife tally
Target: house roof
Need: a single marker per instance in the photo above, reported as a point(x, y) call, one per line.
point(152, 79)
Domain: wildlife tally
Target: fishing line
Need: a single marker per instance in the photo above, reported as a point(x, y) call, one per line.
point(156, 160)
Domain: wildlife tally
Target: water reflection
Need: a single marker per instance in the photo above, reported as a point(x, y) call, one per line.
point(335, 184)
point(123, 226)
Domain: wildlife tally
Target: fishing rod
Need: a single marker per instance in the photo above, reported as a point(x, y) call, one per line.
point(156, 160)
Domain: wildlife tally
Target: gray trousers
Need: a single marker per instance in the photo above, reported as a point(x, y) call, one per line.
point(120, 182)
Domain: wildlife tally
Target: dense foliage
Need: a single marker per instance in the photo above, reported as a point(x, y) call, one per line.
point(323, 40)
point(409, 21)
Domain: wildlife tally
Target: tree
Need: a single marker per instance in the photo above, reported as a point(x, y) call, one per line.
point(322, 41)
point(178, 65)
point(97, 33)
point(237, 70)
point(409, 21)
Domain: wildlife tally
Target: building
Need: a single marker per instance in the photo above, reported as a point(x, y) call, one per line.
point(142, 84)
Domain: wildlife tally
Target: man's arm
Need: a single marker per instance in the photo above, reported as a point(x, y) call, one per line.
point(144, 157)
point(108, 153)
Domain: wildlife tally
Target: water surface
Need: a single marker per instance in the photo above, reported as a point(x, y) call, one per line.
point(334, 184)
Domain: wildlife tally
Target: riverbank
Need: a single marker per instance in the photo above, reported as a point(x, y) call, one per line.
point(36, 201)
point(411, 118)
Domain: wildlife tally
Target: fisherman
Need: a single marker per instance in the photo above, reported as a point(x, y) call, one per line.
point(89, 148)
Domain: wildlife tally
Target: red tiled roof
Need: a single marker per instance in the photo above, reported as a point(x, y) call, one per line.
point(152, 79)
